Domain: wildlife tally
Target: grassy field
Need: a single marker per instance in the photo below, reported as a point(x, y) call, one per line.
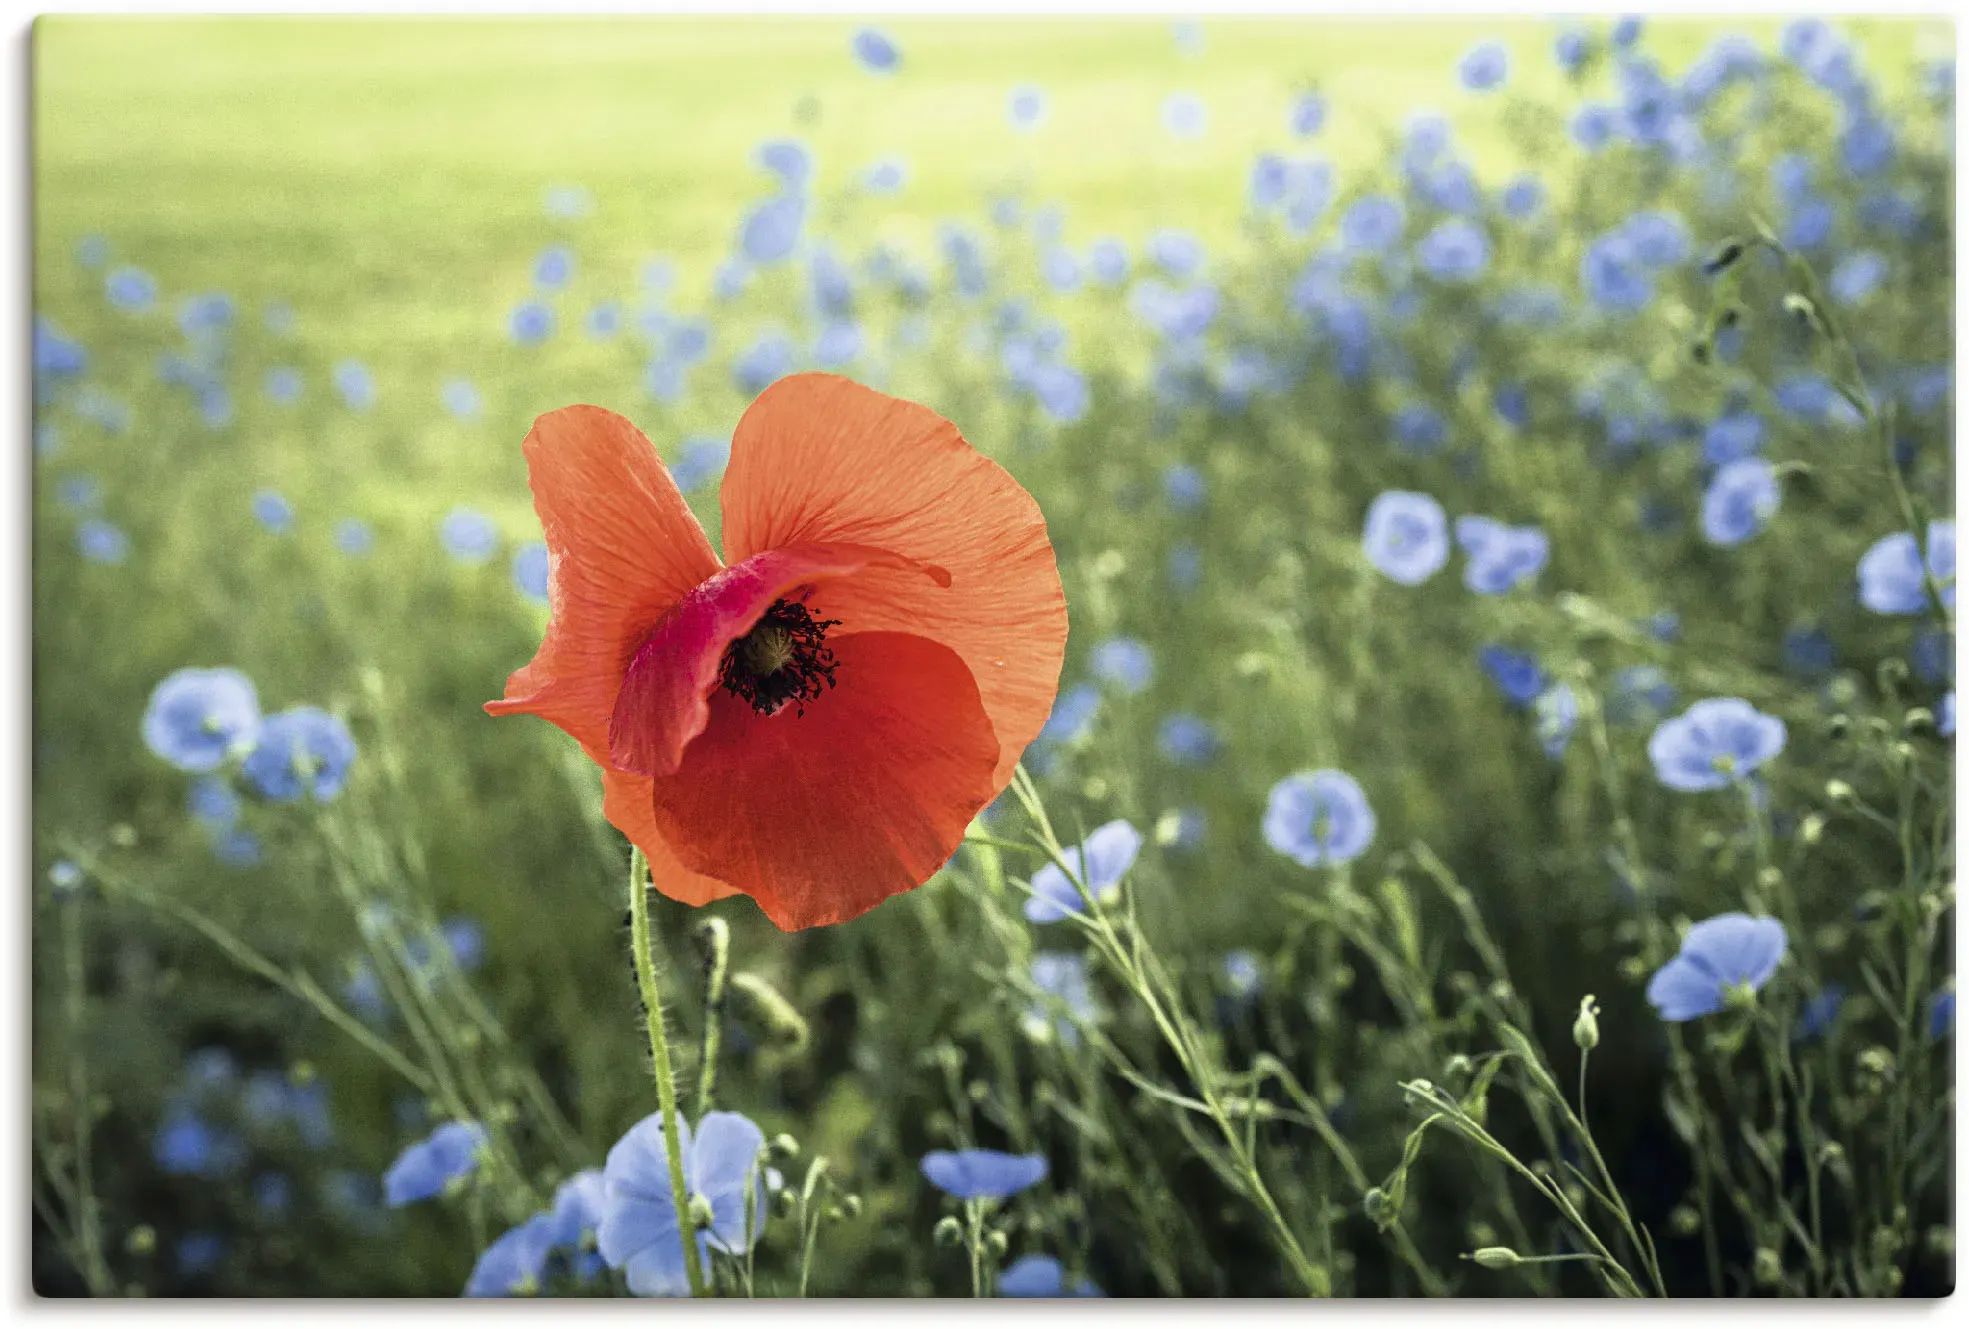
point(382, 193)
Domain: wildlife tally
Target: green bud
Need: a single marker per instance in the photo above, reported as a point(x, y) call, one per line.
point(783, 1024)
point(997, 1242)
point(1633, 968)
point(1837, 791)
point(1684, 1221)
point(1801, 308)
point(1940, 1242)
point(142, 1240)
point(701, 1214)
point(948, 1231)
point(1770, 878)
point(784, 1203)
point(1877, 1061)
point(1482, 1233)
point(852, 1205)
point(783, 1146)
point(1918, 721)
point(123, 835)
point(1109, 564)
point(1765, 1267)
point(1375, 1203)
point(1812, 829)
point(1496, 1257)
point(1586, 1028)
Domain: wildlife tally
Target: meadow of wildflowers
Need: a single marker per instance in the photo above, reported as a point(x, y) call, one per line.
point(1493, 834)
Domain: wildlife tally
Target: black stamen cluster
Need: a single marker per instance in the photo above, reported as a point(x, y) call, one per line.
point(808, 663)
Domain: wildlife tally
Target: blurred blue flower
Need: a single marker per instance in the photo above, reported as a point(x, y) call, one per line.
point(1890, 572)
point(237, 847)
point(283, 385)
point(701, 461)
point(1740, 501)
point(639, 1231)
point(1101, 862)
point(273, 511)
point(211, 800)
point(788, 160)
point(1808, 651)
point(56, 356)
point(66, 877)
point(1733, 436)
point(1719, 956)
point(1658, 239)
point(515, 1264)
point(434, 1164)
point(1243, 977)
point(554, 268)
point(1639, 694)
point(1319, 818)
point(1455, 251)
point(79, 491)
point(875, 51)
point(468, 535)
point(273, 1193)
point(92, 251)
point(101, 542)
point(1184, 115)
point(1941, 1013)
point(1593, 126)
point(530, 570)
point(770, 231)
point(885, 175)
point(1061, 978)
point(1025, 107)
point(1187, 740)
point(1555, 713)
point(1062, 392)
point(1406, 536)
point(353, 536)
point(1809, 224)
point(1041, 1276)
point(1485, 67)
point(1107, 261)
point(769, 359)
point(578, 1208)
point(1570, 50)
point(131, 289)
point(357, 388)
point(531, 323)
point(1625, 33)
point(1516, 673)
point(199, 1253)
point(187, 1145)
point(1500, 556)
point(198, 718)
point(1811, 398)
point(1817, 1015)
point(1184, 486)
point(210, 312)
point(1523, 197)
point(1177, 253)
point(982, 1174)
point(303, 752)
point(1945, 715)
point(1867, 145)
point(1372, 224)
point(1714, 744)
point(1614, 276)
point(461, 399)
point(1307, 115)
point(1856, 276)
point(1073, 714)
point(1124, 662)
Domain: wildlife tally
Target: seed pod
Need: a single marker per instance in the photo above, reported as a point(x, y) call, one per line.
point(1496, 1257)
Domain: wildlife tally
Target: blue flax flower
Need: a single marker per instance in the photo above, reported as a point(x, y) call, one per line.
point(1500, 556)
point(303, 752)
point(1101, 862)
point(1406, 536)
point(1319, 818)
point(1124, 662)
point(1516, 673)
point(1890, 572)
point(1455, 251)
point(425, 1169)
point(1741, 499)
point(530, 570)
point(982, 1174)
point(469, 536)
point(1061, 977)
point(1187, 740)
point(1720, 958)
point(197, 718)
point(516, 1263)
point(1713, 744)
point(1819, 1014)
point(1041, 1276)
point(1941, 1013)
point(639, 1232)
point(875, 51)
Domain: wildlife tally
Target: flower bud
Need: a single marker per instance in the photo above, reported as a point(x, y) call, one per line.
point(948, 1231)
point(1766, 1268)
point(1684, 1221)
point(123, 835)
point(1586, 1028)
point(1496, 1257)
point(783, 1146)
point(784, 1203)
point(997, 1242)
point(851, 1203)
point(1837, 791)
point(1812, 829)
point(701, 1213)
point(142, 1240)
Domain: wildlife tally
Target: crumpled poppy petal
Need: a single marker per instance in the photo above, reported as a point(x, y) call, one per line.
point(820, 459)
point(661, 706)
point(820, 817)
point(626, 804)
point(622, 548)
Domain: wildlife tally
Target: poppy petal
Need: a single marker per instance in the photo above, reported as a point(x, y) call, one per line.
point(622, 548)
point(661, 706)
point(626, 804)
point(822, 816)
point(818, 458)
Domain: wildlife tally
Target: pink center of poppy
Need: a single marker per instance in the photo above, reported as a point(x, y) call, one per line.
point(783, 659)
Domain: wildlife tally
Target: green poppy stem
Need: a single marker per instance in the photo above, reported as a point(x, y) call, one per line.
point(659, 1047)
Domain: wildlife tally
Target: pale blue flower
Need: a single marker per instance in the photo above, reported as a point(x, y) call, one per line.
point(1319, 818)
point(639, 1232)
point(197, 719)
point(1100, 863)
point(1499, 556)
point(1890, 572)
point(1041, 1276)
point(426, 1169)
point(1741, 500)
point(982, 1174)
point(1124, 662)
point(303, 752)
point(1406, 536)
point(1714, 744)
point(1719, 956)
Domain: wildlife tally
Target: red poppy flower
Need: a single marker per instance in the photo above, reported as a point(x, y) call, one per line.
point(815, 722)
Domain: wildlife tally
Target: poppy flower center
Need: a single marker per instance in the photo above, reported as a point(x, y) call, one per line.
point(783, 659)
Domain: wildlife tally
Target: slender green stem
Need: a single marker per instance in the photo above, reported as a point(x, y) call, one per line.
point(87, 1227)
point(659, 1047)
point(974, 1238)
